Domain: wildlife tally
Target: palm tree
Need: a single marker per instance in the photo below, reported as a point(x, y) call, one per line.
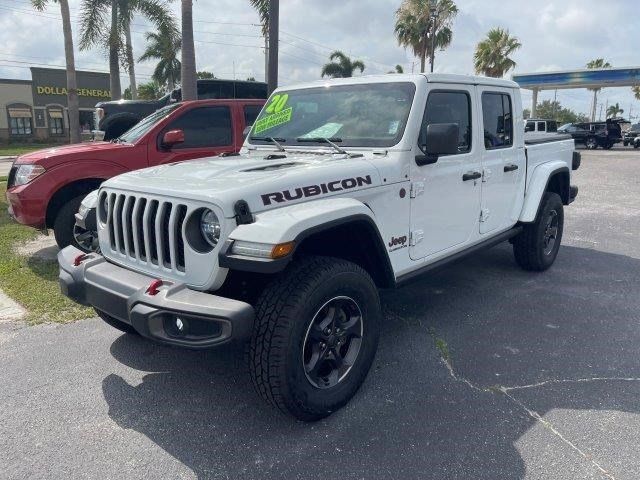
point(72, 84)
point(614, 110)
point(188, 68)
point(154, 10)
point(595, 64)
point(492, 54)
point(164, 46)
point(114, 16)
point(423, 26)
point(204, 75)
point(343, 68)
point(636, 91)
point(262, 6)
point(398, 69)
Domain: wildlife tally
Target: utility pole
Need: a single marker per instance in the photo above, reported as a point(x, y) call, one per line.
point(266, 57)
point(433, 13)
point(274, 20)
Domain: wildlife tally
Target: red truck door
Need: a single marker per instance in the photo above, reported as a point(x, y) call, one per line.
point(208, 131)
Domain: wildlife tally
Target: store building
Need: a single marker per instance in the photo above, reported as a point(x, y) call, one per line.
point(36, 109)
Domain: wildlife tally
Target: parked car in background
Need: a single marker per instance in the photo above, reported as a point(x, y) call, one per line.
point(45, 188)
point(538, 125)
point(116, 117)
point(629, 137)
point(595, 134)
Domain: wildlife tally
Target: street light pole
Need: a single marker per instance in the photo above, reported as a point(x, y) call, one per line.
point(274, 13)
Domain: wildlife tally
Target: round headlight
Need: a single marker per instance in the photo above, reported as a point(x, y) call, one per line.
point(210, 227)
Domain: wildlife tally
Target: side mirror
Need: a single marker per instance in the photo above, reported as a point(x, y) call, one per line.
point(441, 139)
point(247, 130)
point(172, 138)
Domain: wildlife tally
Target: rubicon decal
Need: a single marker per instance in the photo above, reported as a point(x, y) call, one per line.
point(313, 190)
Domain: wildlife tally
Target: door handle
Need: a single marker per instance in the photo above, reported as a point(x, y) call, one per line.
point(471, 176)
point(510, 168)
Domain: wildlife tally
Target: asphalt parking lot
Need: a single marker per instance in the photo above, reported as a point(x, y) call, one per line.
point(484, 371)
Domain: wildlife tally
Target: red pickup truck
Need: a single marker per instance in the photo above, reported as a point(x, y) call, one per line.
point(45, 188)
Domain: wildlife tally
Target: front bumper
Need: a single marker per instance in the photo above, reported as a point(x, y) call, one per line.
point(207, 320)
point(26, 206)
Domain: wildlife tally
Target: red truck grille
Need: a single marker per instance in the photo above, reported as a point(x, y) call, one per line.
point(145, 230)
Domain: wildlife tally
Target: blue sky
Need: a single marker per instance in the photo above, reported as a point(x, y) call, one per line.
point(556, 35)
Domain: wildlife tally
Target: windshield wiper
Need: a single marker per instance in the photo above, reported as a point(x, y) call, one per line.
point(276, 141)
point(330, 141)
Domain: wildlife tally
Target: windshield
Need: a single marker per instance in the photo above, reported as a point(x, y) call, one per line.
point(367, 115)
point(141, 128)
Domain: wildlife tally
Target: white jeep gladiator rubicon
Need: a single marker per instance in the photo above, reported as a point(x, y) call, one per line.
point(343, 187)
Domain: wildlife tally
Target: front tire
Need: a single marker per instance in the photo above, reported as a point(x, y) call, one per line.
point(315, 336)
point(536, 247)
point(65, 222)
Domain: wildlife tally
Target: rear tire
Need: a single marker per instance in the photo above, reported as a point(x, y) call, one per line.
point(536, 247)
point(315, 336)
point(115, 323)
point(65, 222)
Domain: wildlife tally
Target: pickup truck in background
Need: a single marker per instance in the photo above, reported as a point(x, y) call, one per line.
point(595, 134)
point(343, 187)
point(45, 187)
point(116, 117)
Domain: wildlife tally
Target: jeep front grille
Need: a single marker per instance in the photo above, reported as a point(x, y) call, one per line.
point(145, 230)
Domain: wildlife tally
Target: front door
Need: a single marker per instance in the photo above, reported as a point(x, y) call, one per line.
point(503, 161)
point(208, 131)
point(445, 202)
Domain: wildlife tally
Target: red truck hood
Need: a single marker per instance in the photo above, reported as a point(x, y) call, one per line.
point(50, 157)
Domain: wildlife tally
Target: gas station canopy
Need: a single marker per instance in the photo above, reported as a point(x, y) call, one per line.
point(600, 78)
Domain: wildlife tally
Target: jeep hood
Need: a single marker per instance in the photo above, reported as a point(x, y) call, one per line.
point(264, 182)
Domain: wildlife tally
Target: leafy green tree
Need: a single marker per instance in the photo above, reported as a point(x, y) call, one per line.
point(251, 79)
point(592, 65)
point(205, 75)
point(636, 91)
point(553, 110)
point(614, 111)
point(72, 84)
point(341, 66)
point(398, 69)
point(151, 90)
point(164, 46)
point(107, 24)
point(492, 56)
point(421, 23)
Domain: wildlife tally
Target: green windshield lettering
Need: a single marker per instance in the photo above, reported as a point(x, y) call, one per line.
point(272, 121)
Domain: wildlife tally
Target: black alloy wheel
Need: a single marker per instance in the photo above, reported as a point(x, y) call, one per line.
point(332, 342)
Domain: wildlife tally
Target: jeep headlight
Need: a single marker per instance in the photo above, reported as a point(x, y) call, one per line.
point(210, 227)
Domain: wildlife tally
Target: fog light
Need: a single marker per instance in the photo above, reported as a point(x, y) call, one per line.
point(180, 326)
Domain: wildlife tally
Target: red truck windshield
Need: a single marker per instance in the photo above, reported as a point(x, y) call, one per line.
point(140, 129)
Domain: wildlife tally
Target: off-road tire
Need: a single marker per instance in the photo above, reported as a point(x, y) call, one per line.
point(65, 221)
point(284, 313)
point(636, 144)
point(115, 323)
point(529, 245)
point(591, 143)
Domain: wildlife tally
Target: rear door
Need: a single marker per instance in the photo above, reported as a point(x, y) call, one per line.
point(503, 160)
point(208, 131)
point(445, 196)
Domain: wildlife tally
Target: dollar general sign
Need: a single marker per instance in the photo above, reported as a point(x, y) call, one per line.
point(82, 92)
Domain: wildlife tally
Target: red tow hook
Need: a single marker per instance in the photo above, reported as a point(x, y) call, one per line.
point(79, 259)
point(153, 288)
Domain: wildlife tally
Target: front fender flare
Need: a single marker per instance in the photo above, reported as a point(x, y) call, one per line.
point(536, 187)
point(295, 223)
